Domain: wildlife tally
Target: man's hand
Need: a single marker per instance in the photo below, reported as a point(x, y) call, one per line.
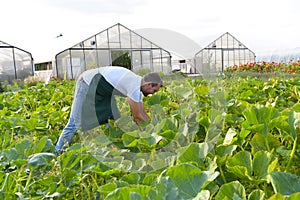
point(137, 111)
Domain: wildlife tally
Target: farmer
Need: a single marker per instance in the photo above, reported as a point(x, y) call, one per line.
point(94, 102)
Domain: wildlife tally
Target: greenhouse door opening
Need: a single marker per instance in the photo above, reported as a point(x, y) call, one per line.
point(121, 58)
point(227, 59)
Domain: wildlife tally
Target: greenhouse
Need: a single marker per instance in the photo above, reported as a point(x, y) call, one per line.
point(15, 63)
point(181, 47)
point(223, 52)
point(115, 46)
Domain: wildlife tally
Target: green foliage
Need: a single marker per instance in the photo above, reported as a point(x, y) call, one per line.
point(1, 87)
point(143, 71)
point(227, 138)
point(121, 58)
point(285, 183)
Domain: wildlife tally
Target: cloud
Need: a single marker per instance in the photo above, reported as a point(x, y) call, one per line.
point(260, 25)
point(97, 6)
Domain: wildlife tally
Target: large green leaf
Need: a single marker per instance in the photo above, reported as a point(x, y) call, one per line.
point(264, 142)
point(141, 140)
point(43, 145)
point(165, 125)
point(130, 139)
point(156, 98)
point(189, 179)
point(229, 137)
point(201, 90)
point(126, 124)
point(23, 148)
point(202, 195)
point(130, 192)
point(40, 159)
point(182, 92)
point(157, 113)
point(107, 188)
point(278, 196)
point(256, 195)
point(165, 189)
point(231, 191)
point(294, 122)
point(261, 164)
point(295, 196)
point(132, 178)
point(213, 133)
point(223, 151)
point(285, 183)
point(195, 152)
point(258, 118)
point(241, 164)
point(77, 159)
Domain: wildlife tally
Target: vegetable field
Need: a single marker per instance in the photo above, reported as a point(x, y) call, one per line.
point(215, 138)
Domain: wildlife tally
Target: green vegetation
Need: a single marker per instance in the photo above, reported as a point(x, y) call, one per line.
point(225, 138)
point(121, 58)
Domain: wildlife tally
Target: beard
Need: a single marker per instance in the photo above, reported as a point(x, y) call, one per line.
point(145, 93)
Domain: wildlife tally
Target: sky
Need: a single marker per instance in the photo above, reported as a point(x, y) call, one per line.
point(261, 25)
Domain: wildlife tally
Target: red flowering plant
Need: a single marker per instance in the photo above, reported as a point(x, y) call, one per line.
point(271, 67)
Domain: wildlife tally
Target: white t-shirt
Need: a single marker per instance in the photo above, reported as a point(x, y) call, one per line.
point(122, 79)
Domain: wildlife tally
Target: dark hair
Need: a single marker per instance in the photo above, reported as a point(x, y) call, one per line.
point(154, 78)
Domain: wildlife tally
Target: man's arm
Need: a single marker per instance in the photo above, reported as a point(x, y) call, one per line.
point(137, 111)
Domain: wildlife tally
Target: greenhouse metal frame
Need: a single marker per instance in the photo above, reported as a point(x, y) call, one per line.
point(114, 46)
point(15, 63)
point(223, 52)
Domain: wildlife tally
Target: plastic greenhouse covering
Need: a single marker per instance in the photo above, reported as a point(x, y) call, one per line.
point(115, 46)
point(224, 52)
point(15, 63)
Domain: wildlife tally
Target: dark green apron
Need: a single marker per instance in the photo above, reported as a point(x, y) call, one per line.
point(99, 104)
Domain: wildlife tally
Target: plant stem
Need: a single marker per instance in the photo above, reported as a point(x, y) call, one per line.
point(5, 181)
point(292, 155)
point(267, 143)
point(28, 180)
point(12, 136)
point(265, 188)
point(222, 174)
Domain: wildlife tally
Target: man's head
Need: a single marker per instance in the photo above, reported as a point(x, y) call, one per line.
point(151, 83)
